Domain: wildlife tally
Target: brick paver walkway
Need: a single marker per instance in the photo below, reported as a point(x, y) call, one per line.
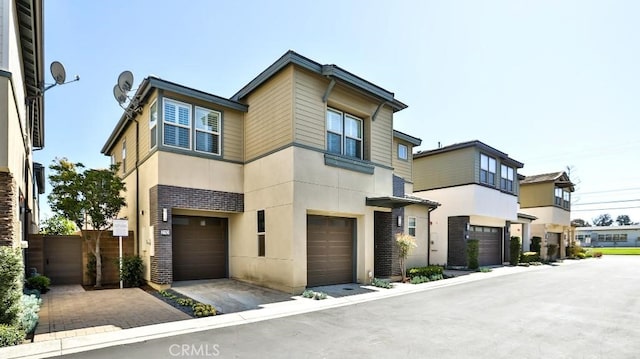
point(69, 311)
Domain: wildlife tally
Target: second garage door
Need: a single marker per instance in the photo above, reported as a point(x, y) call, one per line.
point(330, 250)
point(490, 244)
point(199, 248)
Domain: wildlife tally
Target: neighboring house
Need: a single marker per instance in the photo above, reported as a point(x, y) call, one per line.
point(287, 184)
point(548, 197)
point(477, 186)
point(21, 118)
point(611, 236)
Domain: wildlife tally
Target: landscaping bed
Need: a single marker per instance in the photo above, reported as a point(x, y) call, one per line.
point(183, 303)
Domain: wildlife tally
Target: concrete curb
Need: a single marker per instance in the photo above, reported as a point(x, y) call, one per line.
point(299, 305)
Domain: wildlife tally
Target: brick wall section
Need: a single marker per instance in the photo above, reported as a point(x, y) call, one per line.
point(383, 252)
point(169, 197)
point(457, 248)
point(9, 223)
point(398, 186)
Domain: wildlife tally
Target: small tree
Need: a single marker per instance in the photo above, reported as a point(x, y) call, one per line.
point(624, 220)
point(405, 244)
point(603, 220)
point(473, 251)
point(579, 222)
point(90, 198)
point(57, 225)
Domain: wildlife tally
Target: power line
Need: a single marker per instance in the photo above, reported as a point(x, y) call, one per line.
point(603, 209)
point(605, 202)
point(612, 190)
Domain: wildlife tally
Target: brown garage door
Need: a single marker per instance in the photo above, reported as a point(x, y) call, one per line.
point(63, 259)
point(199, 247)
point(490, 240)
point(330, 250)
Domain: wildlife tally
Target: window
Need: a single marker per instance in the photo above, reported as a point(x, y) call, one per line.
point(411, 226)
point(207, 135)
point(487, 170)
point(559, 196)
point(344, 134)
point(403, 151)
point(566, 197)
point(506, 178)
point(153, 121)
point(124, 156)
point(113, 159)
point(261, 231)
point(177, 124)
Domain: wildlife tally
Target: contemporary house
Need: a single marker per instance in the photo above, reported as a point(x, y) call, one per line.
point(21, 118)
point(610, 236)
point(548, 197)
point(477, 186)
point(290, 183)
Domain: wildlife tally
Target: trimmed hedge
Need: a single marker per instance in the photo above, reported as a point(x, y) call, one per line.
point(515, 248)
point(10, 285)
point(427, 271)
point(10, 335)
point(535, 244)
point(473, 249)
point(39, 282)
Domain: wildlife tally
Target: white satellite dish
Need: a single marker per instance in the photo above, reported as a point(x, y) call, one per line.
point(125, 81)
point(120, 96)
point(58, 72)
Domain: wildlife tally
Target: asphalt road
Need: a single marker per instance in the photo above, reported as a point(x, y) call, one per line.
point(589, 309)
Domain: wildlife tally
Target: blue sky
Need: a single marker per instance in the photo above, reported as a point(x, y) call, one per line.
point(551, 83)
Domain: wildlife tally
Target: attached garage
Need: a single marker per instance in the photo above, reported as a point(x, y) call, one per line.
point(330, 250)
point(199, 247)
point(490, 244)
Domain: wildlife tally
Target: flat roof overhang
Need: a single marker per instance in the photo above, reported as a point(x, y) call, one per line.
point(399, 202)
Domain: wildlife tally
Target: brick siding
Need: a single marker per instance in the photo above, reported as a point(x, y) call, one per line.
point(162, 196)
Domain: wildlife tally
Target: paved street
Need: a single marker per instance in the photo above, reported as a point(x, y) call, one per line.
point(589, 309)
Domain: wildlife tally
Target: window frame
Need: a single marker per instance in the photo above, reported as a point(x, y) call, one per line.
point(261, 232)
point(566, 199)
point(214, 133)
point(558, 199)
point(506, 183)
point(124, 155)
point(176, 124)
point(488, 173)
point(406, 152)
point(153, 125)
point(411, 225)
point(343, 134)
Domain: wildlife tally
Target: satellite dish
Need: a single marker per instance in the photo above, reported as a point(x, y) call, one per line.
point(125, 81)
point(120, 96)
point(58, 72)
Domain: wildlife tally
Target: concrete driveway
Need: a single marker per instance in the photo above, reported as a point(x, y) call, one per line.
point(228, 295)
point(69, 311)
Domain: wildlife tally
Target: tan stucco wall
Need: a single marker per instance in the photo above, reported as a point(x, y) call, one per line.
point(418, 256)
point(445, 169)
point(197, 172)
point(537, 194)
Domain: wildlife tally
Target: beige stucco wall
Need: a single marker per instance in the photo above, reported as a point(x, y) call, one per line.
point(197, 172)
point(537, 194)
point(549, 215)
point(484, 206)
point(418, 256)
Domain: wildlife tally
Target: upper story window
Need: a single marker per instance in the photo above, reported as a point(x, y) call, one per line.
point(558, 196)
point(487, 170)
point(344, 134)
point(506, 178)
point(176, 124)
point(403, 152)
point(207, 136)
point(566, 199)
point(153, 128)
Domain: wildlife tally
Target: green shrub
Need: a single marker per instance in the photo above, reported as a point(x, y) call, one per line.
point(484, 269)
point(10, 335)
point(308, 293)
point(535, 244)
point(203, 310)
point(581, 255)
point(552, 251)
point(575, 251)
point(419, 279)
point(427, 271)
point(528, 257)
point(10, 285)
point(39, 282)
point(381, 283)
point(185, 302)
point(29, 314)
point(132, 273)
point(472, 254)
point(515, 248)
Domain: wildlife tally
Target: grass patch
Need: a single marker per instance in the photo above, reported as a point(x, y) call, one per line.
point(617, 250)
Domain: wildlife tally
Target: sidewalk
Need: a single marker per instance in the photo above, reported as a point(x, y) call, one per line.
point(299, 305)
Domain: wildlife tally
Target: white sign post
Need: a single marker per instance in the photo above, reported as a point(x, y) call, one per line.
point(120, 229)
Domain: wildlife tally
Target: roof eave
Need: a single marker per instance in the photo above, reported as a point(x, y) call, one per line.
point(405, 137)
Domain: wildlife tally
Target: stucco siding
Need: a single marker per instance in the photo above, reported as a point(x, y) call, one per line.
point(269, 122)
point(445, 169)
point(197, 172)
point(309, 124)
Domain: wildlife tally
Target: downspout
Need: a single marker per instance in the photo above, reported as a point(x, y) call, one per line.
point(137, 236)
